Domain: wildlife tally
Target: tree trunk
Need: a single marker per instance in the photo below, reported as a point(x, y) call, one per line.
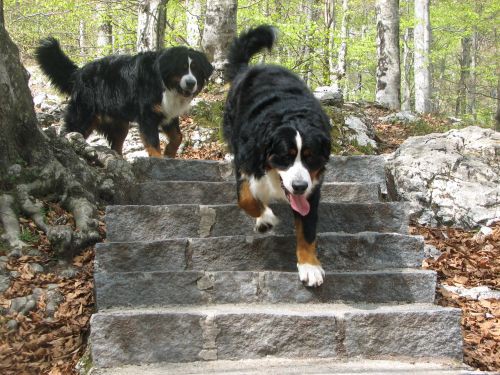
point(464, 61)
point(342, 57)
point(407, 65)
point(194, 13)
point(422, 42)
point(20, 136)
point(81, 38)
point(307, 10)
point(105, 28)
point(218, 33)
point(472, 85)
point(2, 18)
point(330, 23)
point(388, 69)
point(497, 116)
point(151, 23)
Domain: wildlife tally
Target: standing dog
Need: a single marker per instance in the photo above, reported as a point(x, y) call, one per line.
point(152, 88)
point(280, 138)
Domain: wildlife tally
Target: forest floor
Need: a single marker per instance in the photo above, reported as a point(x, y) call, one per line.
point(41, 345)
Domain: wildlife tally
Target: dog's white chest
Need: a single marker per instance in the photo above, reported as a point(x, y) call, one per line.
point(173, 105)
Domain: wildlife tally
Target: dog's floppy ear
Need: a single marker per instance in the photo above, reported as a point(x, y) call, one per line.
point(206, 67)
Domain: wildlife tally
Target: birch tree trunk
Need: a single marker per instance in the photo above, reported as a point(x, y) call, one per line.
point(218, 33)
point(105, 28)
point(407, 65)
point(151, 22)
point(388, 69)
point(194, 11)
point(307, 9)
point(422, 43)
point(81, 38)
point(344, 31)
point(472, 85)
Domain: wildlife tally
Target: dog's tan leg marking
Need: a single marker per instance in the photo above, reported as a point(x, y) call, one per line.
point(310, 270)
point(247, 201)
point(174, 141)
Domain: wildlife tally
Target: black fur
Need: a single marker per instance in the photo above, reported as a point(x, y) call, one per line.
point(108, 93)
point(266, 106)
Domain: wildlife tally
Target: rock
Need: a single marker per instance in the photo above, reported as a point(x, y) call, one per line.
point(16, 253)
point(329, 95)
point(14, 274)
point(4, 283)
point(23, 305)
point(60, 237)
point(54, 299)
point(404, 116)
point(14, 170)
point(451, 178)
point(431, 251)
point(476, 293)
point(12, 325)
point(36, 268)
point(362, 134)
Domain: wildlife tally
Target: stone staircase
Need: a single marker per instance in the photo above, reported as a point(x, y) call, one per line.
point(184, 285)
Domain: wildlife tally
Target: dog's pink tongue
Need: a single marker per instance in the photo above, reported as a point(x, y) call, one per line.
point(300, 204)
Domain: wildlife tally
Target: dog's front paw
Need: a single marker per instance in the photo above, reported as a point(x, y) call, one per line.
point(266, 221)
point(310, 274)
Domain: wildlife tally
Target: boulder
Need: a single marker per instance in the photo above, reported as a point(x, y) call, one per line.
point(450, 178)
point(360, 131)
point(329, 95)
point(404, 116)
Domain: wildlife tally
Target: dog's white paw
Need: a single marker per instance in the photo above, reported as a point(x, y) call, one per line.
point(266, 221)
point(310, 274)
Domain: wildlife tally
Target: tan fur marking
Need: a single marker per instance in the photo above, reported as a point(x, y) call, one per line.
point(306, 252)
point(174, 141)
point(157, 108)
point(247, 201)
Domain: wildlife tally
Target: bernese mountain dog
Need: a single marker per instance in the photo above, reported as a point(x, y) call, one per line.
point(281, 141)
point(151, 88)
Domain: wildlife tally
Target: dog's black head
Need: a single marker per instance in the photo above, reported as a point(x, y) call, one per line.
point(184, 70)
point(299, 155)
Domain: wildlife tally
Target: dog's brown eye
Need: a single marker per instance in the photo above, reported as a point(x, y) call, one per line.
point(193, 65)
point(307, 153)
point(292, 152)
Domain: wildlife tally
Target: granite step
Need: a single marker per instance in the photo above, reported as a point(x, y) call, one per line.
point(337, 251)
point(142, 289)
point(150, 223)
point(362, 168)
point(229, 332)
point(203, 192)
point(288, 366)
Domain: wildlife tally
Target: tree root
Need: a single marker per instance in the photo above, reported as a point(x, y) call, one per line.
point(79, 178)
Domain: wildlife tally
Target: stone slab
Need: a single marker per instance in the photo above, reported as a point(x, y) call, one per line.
point(150, 223)
point(143, 289)
point(194, 333)
point(337, 251)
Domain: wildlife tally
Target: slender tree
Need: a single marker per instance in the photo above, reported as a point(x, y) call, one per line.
point(330, 25)
point(388, 69)
point(218, 32)
point(193, 22)
point(344, 32)
point(151, 23)
point(105, 28)
point(422, 44)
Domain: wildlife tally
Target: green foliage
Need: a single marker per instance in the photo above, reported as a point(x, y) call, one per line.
point(209, 114)
point(305, 44)
point(28, 237)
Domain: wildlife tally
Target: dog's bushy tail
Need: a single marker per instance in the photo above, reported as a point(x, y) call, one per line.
point(56, 64)
point(245, 46)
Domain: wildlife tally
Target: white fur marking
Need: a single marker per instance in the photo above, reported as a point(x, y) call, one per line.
point(187, 77)
point(297, 172)
point(310, 274)
point(266, 219)
point(173, 104)
point(267, 188)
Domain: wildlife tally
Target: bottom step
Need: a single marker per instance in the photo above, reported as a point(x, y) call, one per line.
point(227, 332)
point(293, 366)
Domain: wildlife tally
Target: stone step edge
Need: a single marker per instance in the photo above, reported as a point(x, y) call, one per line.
point(298, 366)
point(282, 309)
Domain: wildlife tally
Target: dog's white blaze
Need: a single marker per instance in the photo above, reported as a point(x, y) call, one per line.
point(173, 104)
point(267, 188)
point(311, 274)
point(297, 172)
point(189, 76)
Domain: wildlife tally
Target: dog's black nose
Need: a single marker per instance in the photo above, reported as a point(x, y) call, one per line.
point(299, 187)
point(190, 83)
